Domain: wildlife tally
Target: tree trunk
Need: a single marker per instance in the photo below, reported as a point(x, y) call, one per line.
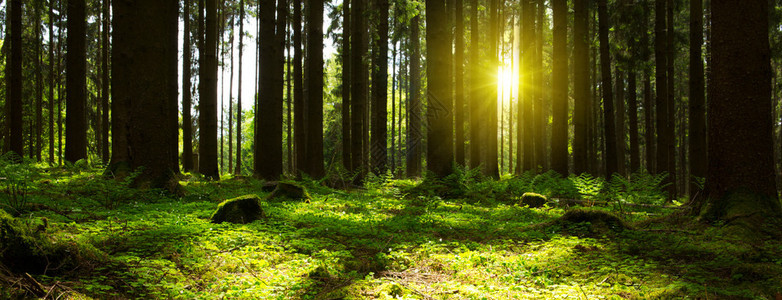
point(379, 126)
point(208, 96)
point(358, 98)
point(14, 78)
point(632, 110)
point(490, 106)
point(187, 122)
point(476, 112)
point(580, 86)
point(526, 157)
point(540, 107)
point(414, 133)
point(106, 79)
point(142, 81)
point(697, 133)
point(238, 170)
point(649, 135)
point(559, 130)
point(231, 98)
point(611, 157)
point(440, 131)
point(346, 87)
point(459, 78)
point(38, 82)
point(299, 118)
point(671, 128)
point(661, 77)
point(76, 86)
point(621, 138)
point(314, 77)
point(740, 184)
point(51, 83)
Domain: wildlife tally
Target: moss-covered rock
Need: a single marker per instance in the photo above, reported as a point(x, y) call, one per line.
point(591, 222)
point(242, 210)
point(290, 191)
point(533, 200)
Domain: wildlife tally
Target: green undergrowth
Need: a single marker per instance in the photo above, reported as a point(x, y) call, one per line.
point(463, 237)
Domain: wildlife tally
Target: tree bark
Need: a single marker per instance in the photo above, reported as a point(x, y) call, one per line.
point(314, 77)
point(476, 111)
point(76, 85)
point(106, 79)
point(414, 134)
point(490, 103)
point(580, 86)
point(142, 81)
point(559, 130)
point(208, 96)
point(608, 101)
point(661, 77)
point(238, 170)
point(52, 86)
point(697, 133)
point(358, 98)
point(14, 79)
point(346, 85)
point(38, 83)
point(187, 121)
point(459, 79)
point(379, 137)
point(299, 117)
point(621, 137)
point(526, 157)
point(740, 182)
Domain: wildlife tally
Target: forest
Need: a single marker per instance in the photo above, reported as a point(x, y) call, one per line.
point(391, 149)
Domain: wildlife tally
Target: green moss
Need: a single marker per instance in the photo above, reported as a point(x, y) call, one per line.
point(533, 200)
point(745, 214)
point(243, 209)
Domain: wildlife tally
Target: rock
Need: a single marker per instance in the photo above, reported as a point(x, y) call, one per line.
point(241, 210)
point(290, 191)
point(533, 200)
point(269, 186)
point(596, 221)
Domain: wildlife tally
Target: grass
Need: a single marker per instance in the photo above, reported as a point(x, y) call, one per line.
point(393, 240)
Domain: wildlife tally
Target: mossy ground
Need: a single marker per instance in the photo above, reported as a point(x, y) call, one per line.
point(382, 243)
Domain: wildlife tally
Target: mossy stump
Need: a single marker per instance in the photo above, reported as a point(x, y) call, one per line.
point(533, 200)
point(290, 191)
point(593, 222)
point(240, 210)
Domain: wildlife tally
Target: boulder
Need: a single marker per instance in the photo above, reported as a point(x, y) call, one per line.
point(241, 210)
point(533, 200)
point(290, 191)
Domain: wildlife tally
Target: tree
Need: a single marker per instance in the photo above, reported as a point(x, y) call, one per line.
point(440, 131)
point(459, 79)
point(238, 170)
point(314, 77)
point(476, 124)
point(38, 84)
point(358, 97)
point(580, 85)
point(52, 86)
point(608, 97)
point(414, 107)
point(661, 77)
point(106, 86)
point(76, 83)
point(490, 103)
point(740, 182)
point(207, 117)
point(187, 122)
point(142, 81)
point(268, 120)
point(379, 105)
point(14, 78)
point(697, 133)
point(299, 116)
point(346, 73)
point(559, 131)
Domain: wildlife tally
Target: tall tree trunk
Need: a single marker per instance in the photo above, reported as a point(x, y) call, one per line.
point(314, 77)
point(38, 82)
point(490, 155)
point(476, 112)
point(540, 107)
point(379, 126)
point(581, 95)
point(76, 70)
point(231, 98)
point(559, 131)
point(649, 117)
point(106, 86)
point(346, 87)
point(414, 133)
point(393, 104)
point(440, 131)
point(289, 98)
point(208, 96)
point(671, 128)
point(697, 133)
point(142, 81)
point(608, 101)
point(459, 78)
point(632, 110)
point(621, 137)
point(51, 83)
point(661, 78)
point(238, 170)
point(526, 157)
point(740, 186)
point(187, 122)
point(358, 98)
point(14, 78)
point(299, 118)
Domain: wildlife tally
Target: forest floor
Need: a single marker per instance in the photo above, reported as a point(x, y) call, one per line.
point(463, 238)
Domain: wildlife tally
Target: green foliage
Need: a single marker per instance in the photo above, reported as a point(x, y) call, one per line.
point(15, 180)
point(642, 187)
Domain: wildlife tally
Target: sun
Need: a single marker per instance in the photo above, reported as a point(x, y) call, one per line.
point(506, 83)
